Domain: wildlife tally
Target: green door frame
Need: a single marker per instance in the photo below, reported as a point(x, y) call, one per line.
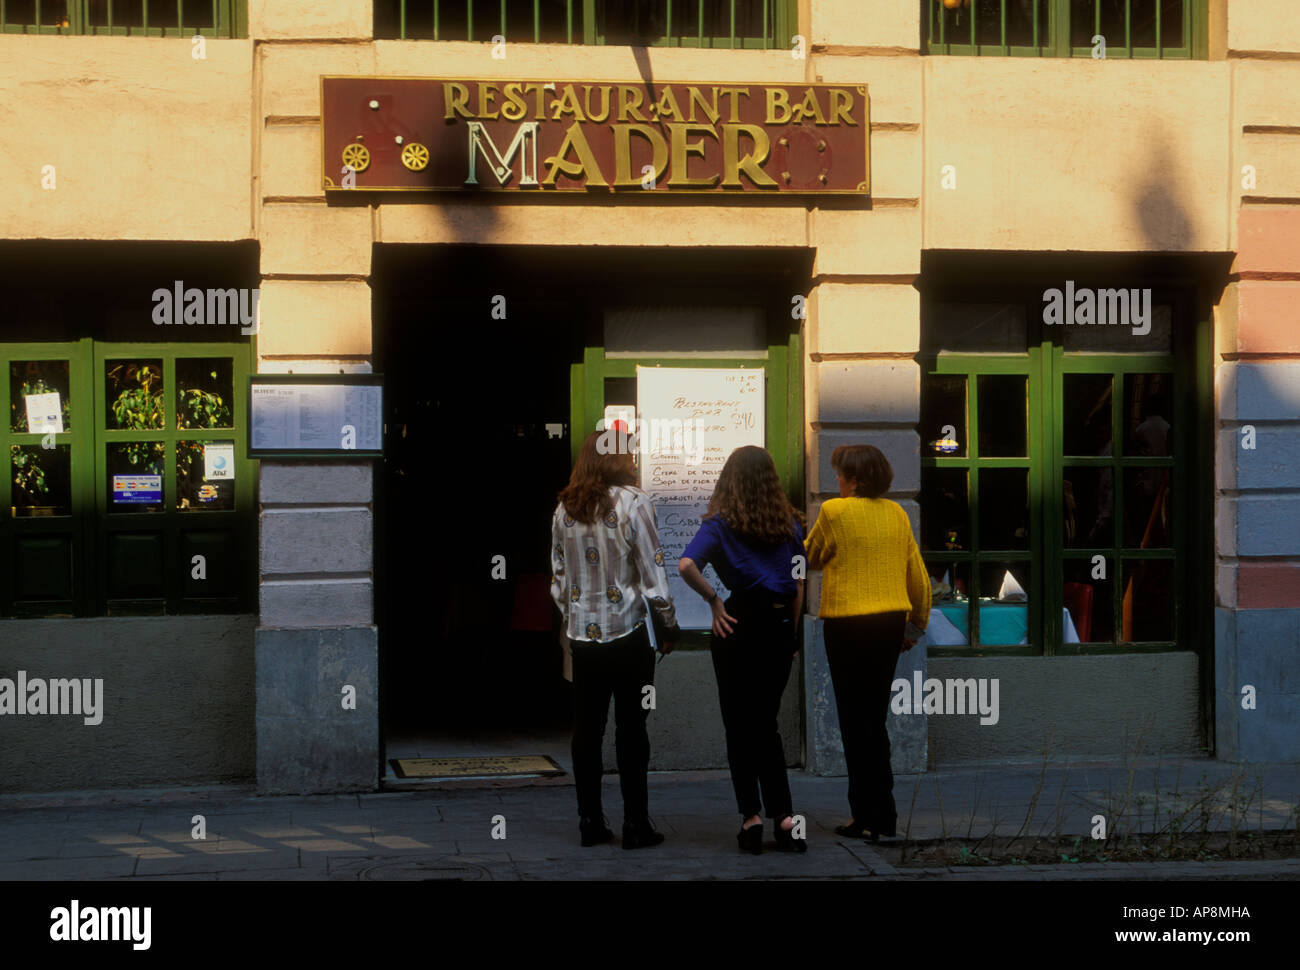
point(783, 369)
point(79, 438)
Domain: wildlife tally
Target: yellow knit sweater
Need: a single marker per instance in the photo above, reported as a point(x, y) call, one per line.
point(869, 560)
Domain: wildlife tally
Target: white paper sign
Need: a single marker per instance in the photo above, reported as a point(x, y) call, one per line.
point(691, 420)
point(219, 460)
point(44, 413)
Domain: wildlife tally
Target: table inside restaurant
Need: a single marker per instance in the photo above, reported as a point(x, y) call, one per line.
point(1001, 624)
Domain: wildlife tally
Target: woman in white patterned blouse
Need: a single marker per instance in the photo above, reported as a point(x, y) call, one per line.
point(606, 562)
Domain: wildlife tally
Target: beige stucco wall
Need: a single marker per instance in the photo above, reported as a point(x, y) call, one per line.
point(1263, 25)
point(147, 142)
point(1077, 154)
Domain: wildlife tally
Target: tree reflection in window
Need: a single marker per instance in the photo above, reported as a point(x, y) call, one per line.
point(204, 393)
point(135, 395)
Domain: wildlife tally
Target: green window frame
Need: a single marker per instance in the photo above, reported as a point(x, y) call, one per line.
point(170, 18)
point(782, 366)
point(99, 561)
point(964, 30)
point(1046, 366)
point(586, 22)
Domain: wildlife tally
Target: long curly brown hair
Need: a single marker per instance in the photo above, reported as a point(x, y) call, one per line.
point(749, 497)
point(586, 497)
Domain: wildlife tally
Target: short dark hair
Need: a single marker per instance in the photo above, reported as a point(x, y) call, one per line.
point(866, 467)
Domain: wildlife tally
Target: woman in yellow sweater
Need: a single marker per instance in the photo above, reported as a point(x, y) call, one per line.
point(875, 604)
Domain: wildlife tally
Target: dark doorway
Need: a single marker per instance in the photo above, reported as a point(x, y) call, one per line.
point(477, 446)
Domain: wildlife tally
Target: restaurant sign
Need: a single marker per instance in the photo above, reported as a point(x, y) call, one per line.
point(433, 134)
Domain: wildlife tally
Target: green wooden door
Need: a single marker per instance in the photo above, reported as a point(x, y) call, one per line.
point(45, 493)
point(168, 414)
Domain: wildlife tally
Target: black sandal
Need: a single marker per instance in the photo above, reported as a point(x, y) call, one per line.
point(751, 839)
point(785, 840)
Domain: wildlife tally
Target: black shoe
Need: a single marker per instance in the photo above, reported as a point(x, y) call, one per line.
point(751, 839)
point(594, 831)
point(786, 842)
point(856, 830)
point(640, 835)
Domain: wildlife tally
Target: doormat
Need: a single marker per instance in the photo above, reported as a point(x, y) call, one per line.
point(503, 767)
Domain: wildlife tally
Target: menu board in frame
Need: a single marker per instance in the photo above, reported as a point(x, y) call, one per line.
point(316, 416)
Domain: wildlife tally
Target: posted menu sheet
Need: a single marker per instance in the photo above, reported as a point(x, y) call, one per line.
point(313, 417)
point(690, 419)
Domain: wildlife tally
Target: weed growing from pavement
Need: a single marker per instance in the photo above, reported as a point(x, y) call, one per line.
point(1211, 822)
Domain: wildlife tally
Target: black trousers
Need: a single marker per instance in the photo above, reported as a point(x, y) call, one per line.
point(620, 668)
point(752, 665)
point(862, 652)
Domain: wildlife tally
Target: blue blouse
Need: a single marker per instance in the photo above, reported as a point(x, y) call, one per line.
point(745, 564)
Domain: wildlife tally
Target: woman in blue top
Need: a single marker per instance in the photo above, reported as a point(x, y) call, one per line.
point(753, 537)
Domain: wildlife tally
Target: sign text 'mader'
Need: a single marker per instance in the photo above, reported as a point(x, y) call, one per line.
point(465, 135)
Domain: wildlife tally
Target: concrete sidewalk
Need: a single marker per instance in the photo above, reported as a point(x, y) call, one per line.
point(446, 833)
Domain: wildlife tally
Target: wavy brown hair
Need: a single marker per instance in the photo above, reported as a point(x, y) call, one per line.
point(749, 497)
point(586, 497)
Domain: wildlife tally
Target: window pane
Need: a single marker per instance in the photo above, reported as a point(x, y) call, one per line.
point(204, 393)
point(943, 406)
point(134, 392)
point(1148, 606)
point(135, 475)
point(1089, 497)
point(1083, 21)
point(1108, 339)
point(1003, 415)
point(1144, 22)
point(972, 328)
point(42, 480)
point(53, 12)
point(1171, 23)
point(1088, 601)
point(1004, 610)
point(205, 475)
point(945, 512)
point(685, 331)
point(950, 607)
point(1004, 508)
point(1148, 508)
point(1020, 23)
point(1148, 412)
point(130, 13)
point(988, 21)
point(39, 393)
point(1085, 414)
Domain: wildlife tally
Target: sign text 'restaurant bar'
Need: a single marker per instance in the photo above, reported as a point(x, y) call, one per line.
point(435, 134)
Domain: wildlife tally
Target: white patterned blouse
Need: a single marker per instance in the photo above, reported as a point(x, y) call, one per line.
point(600, 571)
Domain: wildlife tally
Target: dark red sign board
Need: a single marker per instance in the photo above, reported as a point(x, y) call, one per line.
point(388, 134)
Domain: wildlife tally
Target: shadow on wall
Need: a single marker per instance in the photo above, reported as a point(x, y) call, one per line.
point(1165, 221)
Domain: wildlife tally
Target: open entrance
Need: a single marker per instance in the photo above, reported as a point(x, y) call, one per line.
point(476, 357)
point(496, 364)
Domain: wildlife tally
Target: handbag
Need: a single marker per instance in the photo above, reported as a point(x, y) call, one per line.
point(659, 632)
